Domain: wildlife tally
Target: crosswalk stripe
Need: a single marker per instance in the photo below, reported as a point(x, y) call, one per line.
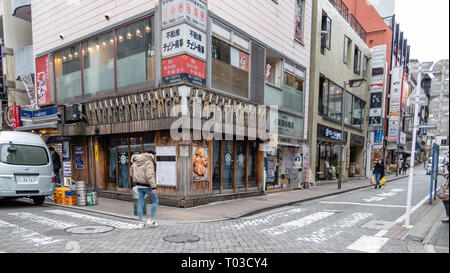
point(98, 220)
point(27, 235)
point(263, 220)
point(326, 233)
point(369, 244)
point(286, 227)
point(43, 220)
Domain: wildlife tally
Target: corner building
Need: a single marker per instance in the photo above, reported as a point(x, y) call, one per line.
point(117, 68)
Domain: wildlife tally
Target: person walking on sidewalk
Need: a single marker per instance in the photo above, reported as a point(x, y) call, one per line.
point(404, 166)
point(143, 171)
point(379, 173)
point(56, 164)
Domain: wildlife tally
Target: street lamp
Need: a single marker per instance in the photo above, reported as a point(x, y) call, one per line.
point(351, 84)
point(420, 99)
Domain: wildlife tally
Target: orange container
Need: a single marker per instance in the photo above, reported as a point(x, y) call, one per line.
point(70, 200)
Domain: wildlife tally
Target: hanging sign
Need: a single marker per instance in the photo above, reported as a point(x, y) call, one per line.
point(42, 81)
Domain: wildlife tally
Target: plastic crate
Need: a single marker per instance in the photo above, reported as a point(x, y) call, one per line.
point(70, 200)
point(69, 193)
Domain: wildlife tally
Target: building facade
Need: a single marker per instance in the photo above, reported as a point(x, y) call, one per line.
point(339, 55)
point(117, 72)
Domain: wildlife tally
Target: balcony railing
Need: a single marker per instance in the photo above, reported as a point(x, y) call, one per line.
point(344, 11)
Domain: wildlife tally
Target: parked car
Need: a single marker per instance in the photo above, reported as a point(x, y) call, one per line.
point(26, 168)
point(441, 166)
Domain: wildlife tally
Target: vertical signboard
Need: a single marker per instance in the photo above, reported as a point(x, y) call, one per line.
point(394, 107)
point(377, 86)
point(43, 95)
point(176, 11)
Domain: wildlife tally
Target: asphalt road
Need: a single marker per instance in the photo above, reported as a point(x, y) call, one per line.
point(363, 221)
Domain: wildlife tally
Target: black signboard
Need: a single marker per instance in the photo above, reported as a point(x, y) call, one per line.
point(330, 133)
point(376, 100)
point(357, 140)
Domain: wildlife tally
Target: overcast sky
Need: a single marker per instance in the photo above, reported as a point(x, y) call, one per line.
point(426, 26)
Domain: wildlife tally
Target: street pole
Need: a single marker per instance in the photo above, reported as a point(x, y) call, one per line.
point(413, 149)
point(341, 163)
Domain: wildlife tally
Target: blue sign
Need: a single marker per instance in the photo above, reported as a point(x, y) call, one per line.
point(378, 136)
point(425, 130)
point(39, 113)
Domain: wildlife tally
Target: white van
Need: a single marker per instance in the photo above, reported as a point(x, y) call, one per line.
point(26, 168)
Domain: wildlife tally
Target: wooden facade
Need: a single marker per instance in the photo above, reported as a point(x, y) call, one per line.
point(147, 114)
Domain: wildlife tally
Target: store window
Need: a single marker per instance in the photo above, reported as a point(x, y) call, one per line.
point(112, 148)
point(136, 54)
point(293, 92)
point(241, 164)
point(252, 151)
point(68, 75)
point(358, 113)
point(216, 166)
point(228, 165)
point(98, 64)
point(230, 68)
point(273, 69)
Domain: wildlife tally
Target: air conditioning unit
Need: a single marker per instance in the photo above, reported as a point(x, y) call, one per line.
point(74, 113)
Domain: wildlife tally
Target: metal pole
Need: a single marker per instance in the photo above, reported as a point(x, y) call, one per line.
point(341, 163)
point(413, 150)
point(431, 174)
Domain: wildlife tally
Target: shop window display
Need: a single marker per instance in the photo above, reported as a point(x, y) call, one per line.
point(68, 75)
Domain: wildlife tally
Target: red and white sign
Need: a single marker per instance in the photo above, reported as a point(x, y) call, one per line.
point(184, 66)
point(12, 116)
point(175, 11)
point(43, 96)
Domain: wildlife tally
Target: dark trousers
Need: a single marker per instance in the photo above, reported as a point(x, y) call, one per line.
point(446, 206)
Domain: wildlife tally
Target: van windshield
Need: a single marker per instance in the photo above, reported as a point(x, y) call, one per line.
point(14, 154)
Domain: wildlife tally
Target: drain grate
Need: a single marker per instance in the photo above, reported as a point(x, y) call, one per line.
point(182, 238)
point(89, 229)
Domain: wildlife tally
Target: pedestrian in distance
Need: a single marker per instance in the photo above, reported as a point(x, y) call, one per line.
point(56, 164)
point(143, 171)
point(404, 167)
point(379, 173)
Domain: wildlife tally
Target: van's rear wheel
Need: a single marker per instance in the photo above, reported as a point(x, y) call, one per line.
point(38, 200)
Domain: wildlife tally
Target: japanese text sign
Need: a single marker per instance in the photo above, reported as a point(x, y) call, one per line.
point(183, 39)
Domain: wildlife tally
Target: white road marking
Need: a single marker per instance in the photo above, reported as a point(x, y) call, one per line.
point(286, 227)
point(98, 220)
point(374, 199)
point(363, 204)
point(27, 235)
point(381, 233)
point(263, 220)
point(369, 244)
point(43, 220)
point(334, 230)
point(398, 190)
point(429, 249)
point(387, 194)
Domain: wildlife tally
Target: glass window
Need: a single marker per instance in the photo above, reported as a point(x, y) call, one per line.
point(112, 161)
point(357, 61)
point(326, 36)
point(149, 144)
point(136, 54)
point(228, 165)
point(358, 113)
point(335, 99)
point(124, 164)
point(293, 92)
point(273, 69)
point(241, 163)
point(323, 97)
point(347, 47)
point(68, 75)
point(98, 64)
point(348, 108)
point(216, 166)
point(366, 63)
point(252, 152)
point(229, 68)
point(23, 155)
point(299, 19)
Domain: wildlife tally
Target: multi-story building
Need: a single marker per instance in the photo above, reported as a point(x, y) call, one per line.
point(115, 71)
point(16, 60)
point(339, 55)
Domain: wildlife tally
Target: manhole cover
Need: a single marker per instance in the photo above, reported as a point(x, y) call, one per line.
point(182, 238)
point(379, 225)
point(89, 229)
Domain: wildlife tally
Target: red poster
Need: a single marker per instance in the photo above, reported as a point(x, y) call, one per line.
point(184, 66)
point(243, 61)
point(42, 81)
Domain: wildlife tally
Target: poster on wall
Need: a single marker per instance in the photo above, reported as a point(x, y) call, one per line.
point(67, 169)
point(200, 163)
point(43, 96)
point(79, 157)
point(298, 161)
point(66, 149)
point(166, 161)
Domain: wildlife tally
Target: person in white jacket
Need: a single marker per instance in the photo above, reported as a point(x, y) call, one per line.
point(143, 171)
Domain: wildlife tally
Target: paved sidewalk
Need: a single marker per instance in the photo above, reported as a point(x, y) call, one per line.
point(221, 211)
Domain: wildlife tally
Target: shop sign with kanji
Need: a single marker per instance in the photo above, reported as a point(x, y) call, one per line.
point(184, 67)
point(183, 39)
point(176, 11)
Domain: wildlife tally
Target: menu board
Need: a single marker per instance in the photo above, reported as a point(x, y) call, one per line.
point(166, 166)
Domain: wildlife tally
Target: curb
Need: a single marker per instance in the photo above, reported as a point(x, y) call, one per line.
point(247, 214)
